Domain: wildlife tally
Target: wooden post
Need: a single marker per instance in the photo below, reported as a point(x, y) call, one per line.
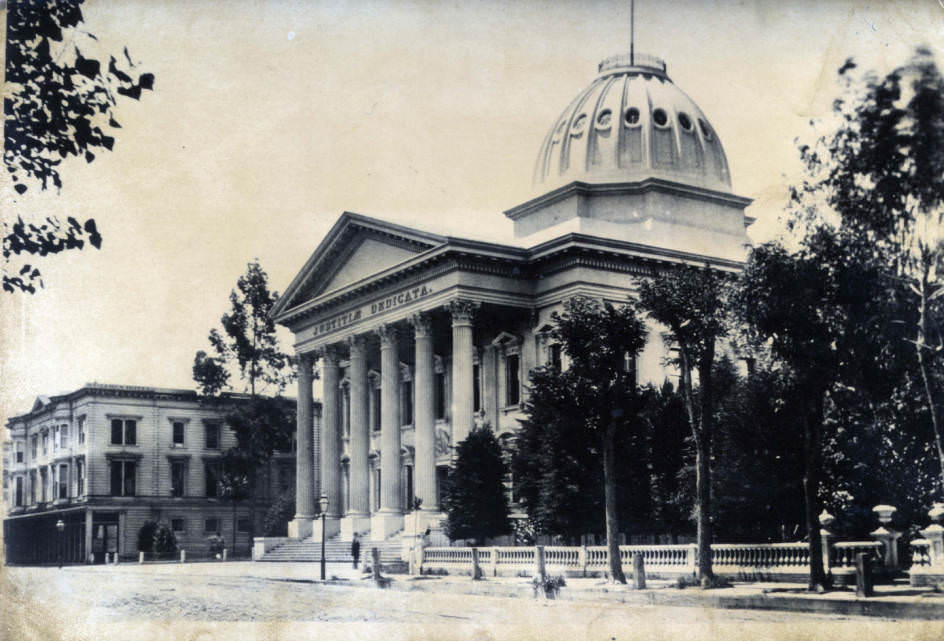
point(639, 571)
point(476, 570)
point(224, 553)
point(539, 568)
point(863, 574)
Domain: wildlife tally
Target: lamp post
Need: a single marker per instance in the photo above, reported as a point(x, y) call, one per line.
point(60, 526)
point(323, 504)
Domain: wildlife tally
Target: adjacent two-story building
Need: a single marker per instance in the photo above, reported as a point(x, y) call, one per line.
point(104, 459)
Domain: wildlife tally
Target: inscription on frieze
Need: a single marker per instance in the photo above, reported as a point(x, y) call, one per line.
point(387, 303)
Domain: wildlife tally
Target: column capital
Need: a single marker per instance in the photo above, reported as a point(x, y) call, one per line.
point(388, 336)
point(358, 345)
point(422, 323)
point(462, 310)
point(328, 353)
point(306, 361)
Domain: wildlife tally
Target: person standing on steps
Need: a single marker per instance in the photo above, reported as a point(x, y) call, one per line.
point(355, 550)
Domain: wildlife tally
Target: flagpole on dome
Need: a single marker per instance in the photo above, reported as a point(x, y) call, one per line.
point(632, 32)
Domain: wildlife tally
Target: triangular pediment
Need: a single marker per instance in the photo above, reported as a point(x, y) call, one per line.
point(356, 248)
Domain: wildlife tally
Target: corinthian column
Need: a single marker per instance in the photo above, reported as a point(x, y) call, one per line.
point(357, 519)
point(300, 526)
point(462, 380)
point(390, 517)
point(425, 413)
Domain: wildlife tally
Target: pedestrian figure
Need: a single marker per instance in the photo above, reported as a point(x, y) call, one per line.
point(355, 550)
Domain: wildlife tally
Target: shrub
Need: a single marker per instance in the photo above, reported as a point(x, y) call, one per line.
point(550, 585)
point(275, 521)
point(146, 537)
point(164, 541)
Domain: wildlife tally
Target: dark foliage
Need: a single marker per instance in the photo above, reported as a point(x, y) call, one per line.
point(282, 510)
point(59, 103)
point(146, 537)
point(477, 504)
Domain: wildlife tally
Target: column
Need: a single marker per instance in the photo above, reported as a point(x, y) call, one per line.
point(424, 465)
point(330, 441)
point(300, 526)
point(358, 517)
point(390, 516)
point(462, 381)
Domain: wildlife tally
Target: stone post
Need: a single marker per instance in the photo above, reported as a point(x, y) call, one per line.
point(582, 559)
point(425, 414)
point(330, 441)
point(863, 575)
point(493, 562)
point(389, 518)
point(300, 527)
point(934, 533)
point(358, 517)
point(183, 556)
point(639, 571)
point(462, 380)
point(888, 537)
point(825, 520)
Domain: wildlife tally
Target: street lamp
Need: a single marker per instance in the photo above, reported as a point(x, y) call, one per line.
point(323, 504)
point(60, 526)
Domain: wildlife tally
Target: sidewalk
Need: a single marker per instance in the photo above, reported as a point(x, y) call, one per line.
point(890, 601)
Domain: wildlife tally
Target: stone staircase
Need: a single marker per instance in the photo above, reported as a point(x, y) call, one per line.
point(336, 551)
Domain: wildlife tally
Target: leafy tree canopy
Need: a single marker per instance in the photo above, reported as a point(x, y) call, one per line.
point(476, 505)
point(58, 102)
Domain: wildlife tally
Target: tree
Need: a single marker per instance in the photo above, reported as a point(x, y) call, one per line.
point(248, 346)
point(692, 303)
point(601, 342)
point(165, 542)
point(882, 173)
point(476, 505)
point(58, 103)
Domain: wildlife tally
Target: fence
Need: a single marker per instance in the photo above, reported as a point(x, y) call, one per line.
point(771, 559)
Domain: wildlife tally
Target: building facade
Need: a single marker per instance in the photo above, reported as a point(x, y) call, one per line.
point(421, 337)
point(106, 458)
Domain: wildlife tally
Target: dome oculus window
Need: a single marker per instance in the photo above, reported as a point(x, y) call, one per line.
point(603, 119)
point(660, 117)
point(685, 121)
point(577, 128)
point(632, 117)
point(705, 129)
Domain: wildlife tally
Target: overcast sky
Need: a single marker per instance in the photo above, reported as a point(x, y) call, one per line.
point(270, 118)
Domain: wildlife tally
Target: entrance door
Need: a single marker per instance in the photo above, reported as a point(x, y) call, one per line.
point(104, 540)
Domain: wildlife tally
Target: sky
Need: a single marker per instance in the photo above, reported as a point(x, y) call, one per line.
point(270, 118)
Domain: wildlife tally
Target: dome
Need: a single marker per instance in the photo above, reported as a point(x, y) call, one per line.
point(630, 124)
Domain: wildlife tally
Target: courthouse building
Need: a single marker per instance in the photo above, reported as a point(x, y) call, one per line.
point(421, 337)
point(104, 459)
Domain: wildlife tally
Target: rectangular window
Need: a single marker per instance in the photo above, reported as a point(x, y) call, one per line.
point(177, 525)
point(476, 391)
point(124, 432)
point(554, 356)
point(45, 443)
point(81, 431)
point(242, 525)
point(34, 441)
point(284, 478)
point(178, 437)
point(375, 398)
point(18, 492)
point(80, 478)
point(63, 481)
point(19, 451)
point(32, 488)
point(55, 438)
point(211, 526)
point(178, 474)
point(406, 403)
point(440, 395)
point(64, 436)
point(211, 476)
point(212, 436)
point(512, 389)
point(43, 481)
point(123, 478)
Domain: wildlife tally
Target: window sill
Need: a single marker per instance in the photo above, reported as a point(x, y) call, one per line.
point(512, 408)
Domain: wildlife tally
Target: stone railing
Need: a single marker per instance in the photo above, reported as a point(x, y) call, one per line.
point(844, 552)
point(920, 553)
point(672, 560)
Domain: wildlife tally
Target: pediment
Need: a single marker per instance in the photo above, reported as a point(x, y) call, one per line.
point(356, 248)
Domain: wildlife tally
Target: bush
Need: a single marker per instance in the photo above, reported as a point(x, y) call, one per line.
point(550, 585)
point(146, 537)
point(282, 510)
point(164, 541)
point(217, 544)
